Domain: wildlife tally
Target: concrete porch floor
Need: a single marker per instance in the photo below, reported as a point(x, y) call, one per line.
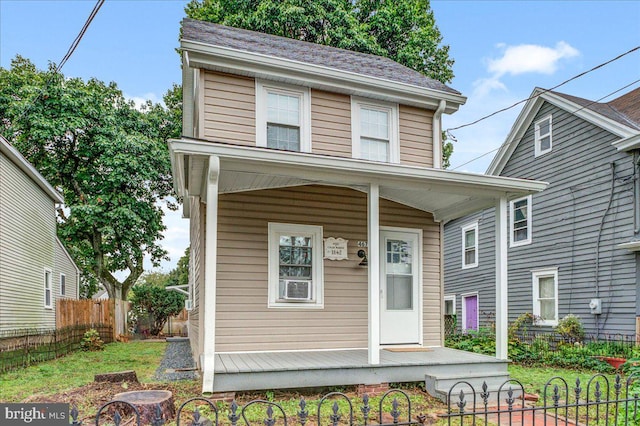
point(438, 367)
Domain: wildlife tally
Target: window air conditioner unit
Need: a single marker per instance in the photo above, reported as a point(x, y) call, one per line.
point(188, 304)
point(298, 290)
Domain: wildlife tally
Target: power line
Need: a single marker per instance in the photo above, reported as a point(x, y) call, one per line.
point(544, 91)
point(66, 57)
point(572, 112)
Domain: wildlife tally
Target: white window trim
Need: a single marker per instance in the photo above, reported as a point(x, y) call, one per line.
point(394, 132)
point(535, 277)
point(48, 287)
point(63, 293)
point(453, 299)
point(512, 242)
point(538, 136)
point(463, 308)
point(466, 228)
point(277, 229)
point(262, 87)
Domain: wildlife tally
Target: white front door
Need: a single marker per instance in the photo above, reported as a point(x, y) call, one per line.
point(400, 287)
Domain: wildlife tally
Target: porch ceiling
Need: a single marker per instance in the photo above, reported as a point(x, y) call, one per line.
point(446, 194)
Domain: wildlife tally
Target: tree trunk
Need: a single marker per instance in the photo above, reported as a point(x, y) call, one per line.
point(120, 320)
point(146, 402)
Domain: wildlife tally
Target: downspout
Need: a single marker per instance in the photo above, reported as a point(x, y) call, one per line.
point(436, 135)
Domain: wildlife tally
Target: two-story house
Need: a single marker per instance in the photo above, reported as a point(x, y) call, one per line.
point(35, 269)
point(312, 180)
point(573, 247)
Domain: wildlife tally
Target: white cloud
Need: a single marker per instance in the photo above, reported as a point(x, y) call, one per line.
point(522, 59)
point(139, 101)
point(526, 58)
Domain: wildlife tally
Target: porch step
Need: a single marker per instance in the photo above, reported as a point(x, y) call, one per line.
point(440, 383)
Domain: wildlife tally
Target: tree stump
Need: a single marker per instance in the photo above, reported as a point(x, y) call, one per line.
point(118, 377)
point(146, 401)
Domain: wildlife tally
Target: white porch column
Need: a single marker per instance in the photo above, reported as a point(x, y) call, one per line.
point(373, 226)
point(211, 245)
point(502, 312)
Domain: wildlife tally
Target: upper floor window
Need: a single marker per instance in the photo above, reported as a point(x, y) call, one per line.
point(374, 127)
point(543, 136)
point(283, 117)
point(520, 221)
point(63, 284)
point(295, 266)
point(47, 289)
point(470, 246)
point(545, 296)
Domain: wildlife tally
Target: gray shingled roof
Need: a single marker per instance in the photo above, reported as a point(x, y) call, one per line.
point(310, 53)
point(624, 110)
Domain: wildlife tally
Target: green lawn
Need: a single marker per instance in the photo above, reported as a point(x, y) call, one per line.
point(78, 368)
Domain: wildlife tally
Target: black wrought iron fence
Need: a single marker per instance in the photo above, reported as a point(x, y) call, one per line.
point(20, 348)
point(200, 411)
point(599, 403)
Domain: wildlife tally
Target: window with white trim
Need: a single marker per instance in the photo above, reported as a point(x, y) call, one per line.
point(450, 305)
point(470, 246)
point(47, 289)
point(374, 127)
point(543, 138)
point(520, 221)
point(63, 284)
point(545, 296)
point(295, 266)
point(283, 117)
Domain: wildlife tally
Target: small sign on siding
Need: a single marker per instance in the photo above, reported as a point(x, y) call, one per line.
point(335, 248)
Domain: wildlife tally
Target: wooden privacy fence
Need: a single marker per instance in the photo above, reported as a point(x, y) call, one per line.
point(86, 311)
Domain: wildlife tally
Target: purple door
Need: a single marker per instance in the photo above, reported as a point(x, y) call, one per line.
point(471, 312)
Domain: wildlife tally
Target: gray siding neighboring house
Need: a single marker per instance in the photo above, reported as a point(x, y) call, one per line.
point(35, 269)
point(583, 228)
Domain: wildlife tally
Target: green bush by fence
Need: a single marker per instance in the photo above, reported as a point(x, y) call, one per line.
point(21, 348)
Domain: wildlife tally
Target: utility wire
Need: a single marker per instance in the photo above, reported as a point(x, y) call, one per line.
point(546, 90)
point(66, 57)
point(572, 112)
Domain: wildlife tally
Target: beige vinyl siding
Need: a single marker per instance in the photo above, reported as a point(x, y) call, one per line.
point(243, 321)
point(27, 238)
point(64, 265)
point(196, 259)
point(331, 124)
point(416, 147)
point(229, 109)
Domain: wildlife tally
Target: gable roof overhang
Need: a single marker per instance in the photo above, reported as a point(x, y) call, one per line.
point(528, 113)
point(15, 157)
point(446, 194)
point(251, 64)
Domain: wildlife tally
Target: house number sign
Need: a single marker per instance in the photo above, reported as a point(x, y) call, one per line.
point(335, 248)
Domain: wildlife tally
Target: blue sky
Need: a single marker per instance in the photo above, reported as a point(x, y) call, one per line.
point(502, 50)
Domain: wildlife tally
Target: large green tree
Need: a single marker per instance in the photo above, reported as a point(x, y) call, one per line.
point(108, 159)
point(402, 30)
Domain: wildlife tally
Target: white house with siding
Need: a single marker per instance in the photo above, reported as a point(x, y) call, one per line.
point(35, 268)
point(298, 160)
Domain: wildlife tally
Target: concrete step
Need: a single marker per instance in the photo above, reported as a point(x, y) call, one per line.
point(463, 369)
point(439, 386)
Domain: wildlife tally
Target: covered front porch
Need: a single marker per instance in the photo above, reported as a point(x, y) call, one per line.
point(438, 367)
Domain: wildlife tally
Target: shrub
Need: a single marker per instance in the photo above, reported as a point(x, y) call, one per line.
point(570, 328)
point(92, 341)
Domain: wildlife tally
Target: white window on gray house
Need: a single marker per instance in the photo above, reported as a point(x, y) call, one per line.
point(374, 128)
point(295, 266)
point(545, 296)
point(63, 284)
point(283, 117)
point(543, 138)
point(450, 305)
point(470, 245)
point(47, 289)
point(520, 221)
